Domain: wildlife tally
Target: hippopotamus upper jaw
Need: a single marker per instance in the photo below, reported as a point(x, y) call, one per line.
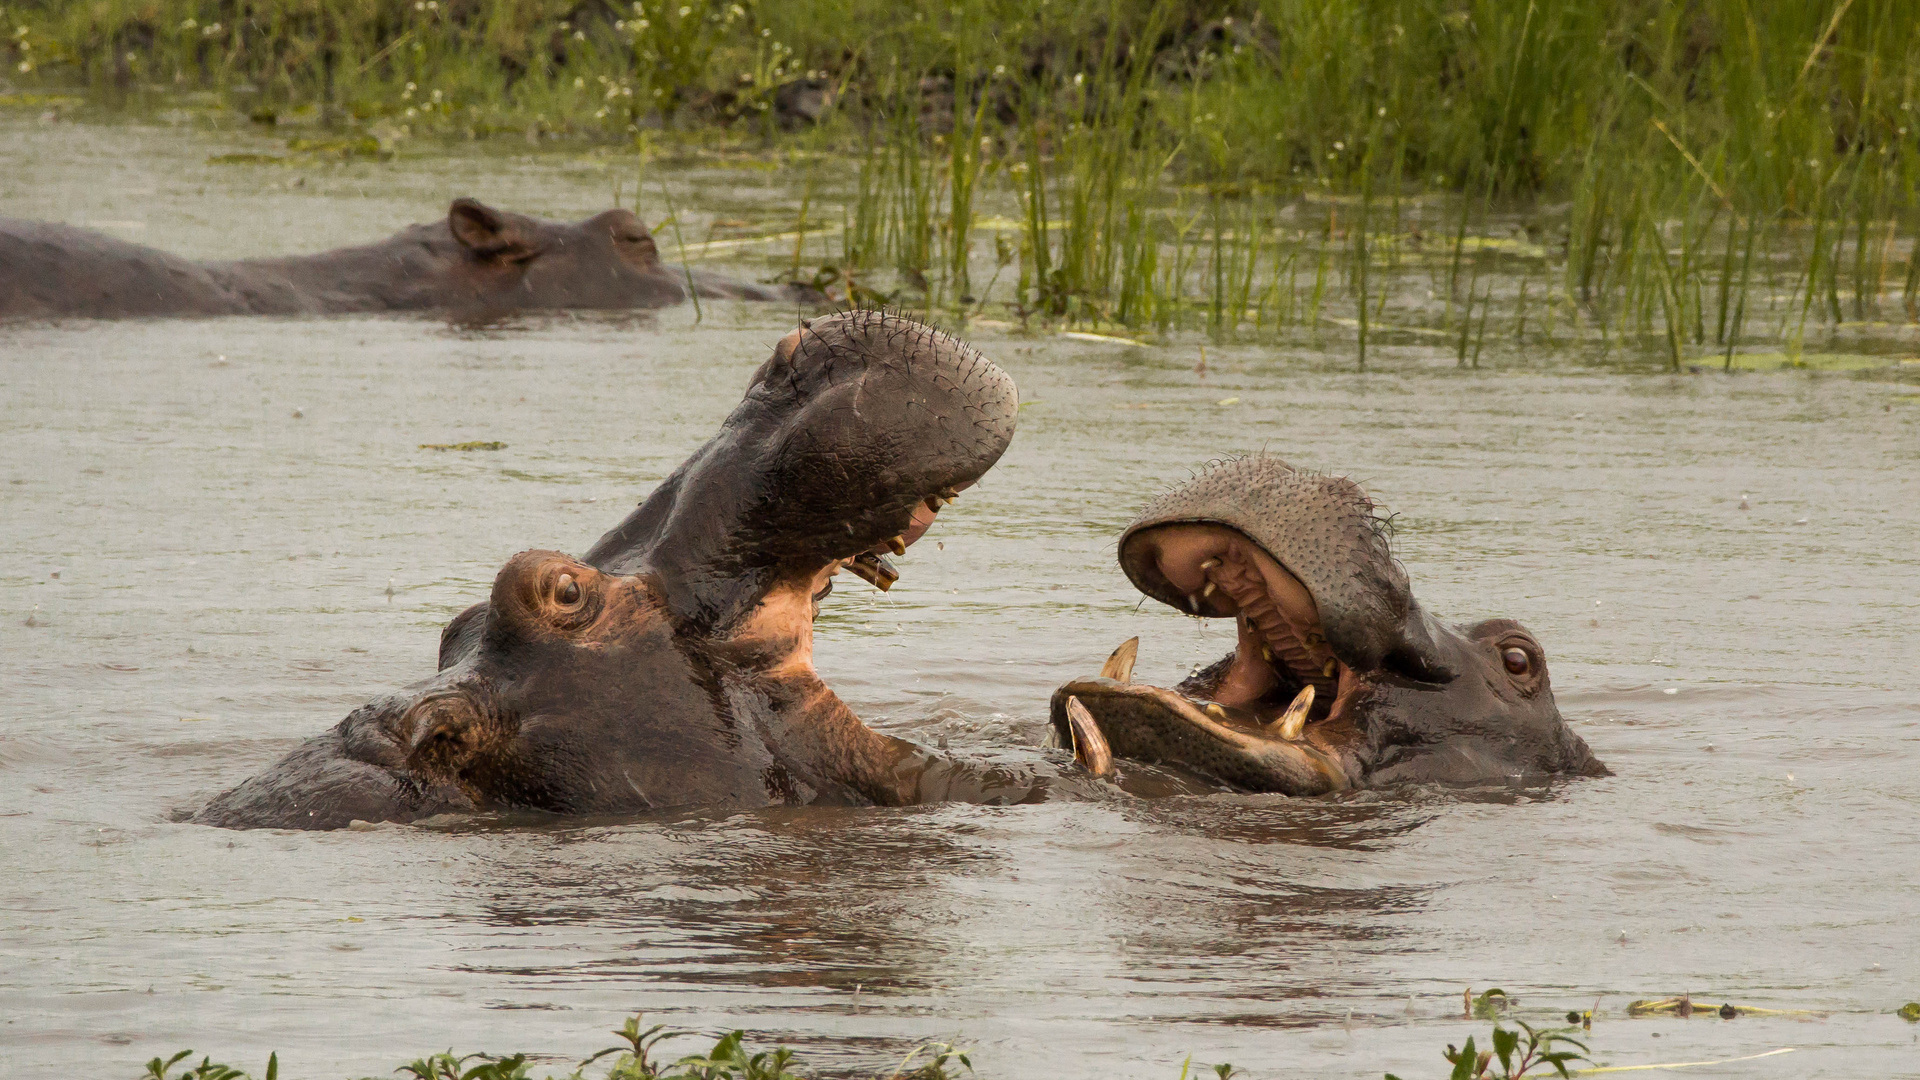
point(848, 440)
point(1338, 676)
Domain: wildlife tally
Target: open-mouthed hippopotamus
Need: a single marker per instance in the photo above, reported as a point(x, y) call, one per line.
point(1339, 678)
point(672, 665)
point(479, 262)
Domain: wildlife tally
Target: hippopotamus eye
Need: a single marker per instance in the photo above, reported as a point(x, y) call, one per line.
point(1517, 660)
point(567, 590)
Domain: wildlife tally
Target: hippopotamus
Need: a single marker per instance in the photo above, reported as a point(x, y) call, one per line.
point(671, 665)
point(479, 262)
point(1339, 678)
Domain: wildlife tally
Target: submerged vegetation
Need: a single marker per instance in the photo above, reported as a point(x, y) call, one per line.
point(1692, 180)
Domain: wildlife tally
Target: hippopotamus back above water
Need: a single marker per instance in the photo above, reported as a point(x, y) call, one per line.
point(1339, 679)
point(478, 262)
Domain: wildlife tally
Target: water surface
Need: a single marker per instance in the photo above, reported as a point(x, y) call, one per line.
point(225, 536)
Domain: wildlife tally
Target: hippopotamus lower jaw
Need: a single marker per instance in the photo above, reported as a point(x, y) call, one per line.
point(1153, 724)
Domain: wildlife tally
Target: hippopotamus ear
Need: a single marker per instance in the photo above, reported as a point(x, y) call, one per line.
point(489, 233)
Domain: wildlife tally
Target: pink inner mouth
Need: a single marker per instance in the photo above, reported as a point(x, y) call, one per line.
point(872, 563)
point(1282, 647)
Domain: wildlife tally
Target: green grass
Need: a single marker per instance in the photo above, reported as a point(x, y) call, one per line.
point(1676, 182)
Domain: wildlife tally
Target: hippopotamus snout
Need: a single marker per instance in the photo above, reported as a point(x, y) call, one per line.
point(1338, 677)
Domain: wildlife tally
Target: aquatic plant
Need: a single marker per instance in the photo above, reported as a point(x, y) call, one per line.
point(1683, 182)
point(1517, 1053)
point(630, 1059)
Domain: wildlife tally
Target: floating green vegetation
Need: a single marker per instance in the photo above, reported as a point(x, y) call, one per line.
point(1910, 1011)
point(1517, 1053)
point(1685, 182)
point(477, 445)
point(1777, 361)
point(630, 1059)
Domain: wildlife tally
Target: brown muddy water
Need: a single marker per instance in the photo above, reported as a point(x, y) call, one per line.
point(221, 536)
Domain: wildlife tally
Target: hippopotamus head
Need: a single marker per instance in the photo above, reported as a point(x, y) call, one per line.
point(1339, 678)
point(672, 664)
point(514, 261)
point(501, 261)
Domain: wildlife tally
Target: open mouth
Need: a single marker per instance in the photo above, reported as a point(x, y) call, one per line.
point(1273, 716)
point(1283, 675)
point(873, 565)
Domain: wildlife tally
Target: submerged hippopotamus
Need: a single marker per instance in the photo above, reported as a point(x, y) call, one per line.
point(672, 664)
point(479, 262)
point(1339, 679)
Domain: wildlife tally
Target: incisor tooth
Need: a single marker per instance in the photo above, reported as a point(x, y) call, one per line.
point(1210, 564)
point(1332, 666)
point(897, 544)
point(1119, 666)
point(933, 503)
point(1209, 590)
point(949, 494)
point(1090, 747)
point(1193, 603)
point(1294, 720)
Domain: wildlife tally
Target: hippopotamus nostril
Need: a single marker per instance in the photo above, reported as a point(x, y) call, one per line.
point(445, 731)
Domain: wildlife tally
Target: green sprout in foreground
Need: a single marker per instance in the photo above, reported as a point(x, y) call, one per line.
point(1515, 1058)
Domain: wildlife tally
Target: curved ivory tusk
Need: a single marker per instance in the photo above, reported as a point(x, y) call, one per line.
point(1089, 745)
point(1119, 666)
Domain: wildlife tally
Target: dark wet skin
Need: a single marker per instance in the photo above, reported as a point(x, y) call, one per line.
point(477, 263)
point(1339, 678)
point(672, 664)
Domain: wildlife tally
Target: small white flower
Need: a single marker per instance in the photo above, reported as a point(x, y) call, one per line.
point(1338, 145)
point(579, 35)
point(685, 11)
point(643, 24)
point(579, 82)
point(25, 66)
point(190, 24)
point(411, 113)
point(1079, 78)
point(999, 69)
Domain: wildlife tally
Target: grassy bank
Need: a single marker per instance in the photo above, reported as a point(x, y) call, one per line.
point(1692, 179)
